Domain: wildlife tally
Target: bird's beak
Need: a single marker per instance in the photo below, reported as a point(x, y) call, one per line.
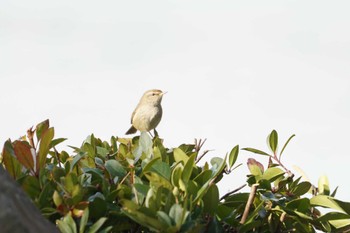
point(163, 93)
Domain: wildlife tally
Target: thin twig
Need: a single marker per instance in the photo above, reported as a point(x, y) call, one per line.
point(57, 157)
point(249, 203)
point(198, 144)
point(30, 135)
point(232, 192)
point(202, 155)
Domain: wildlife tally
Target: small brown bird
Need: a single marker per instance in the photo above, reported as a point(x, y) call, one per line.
point(148, 112)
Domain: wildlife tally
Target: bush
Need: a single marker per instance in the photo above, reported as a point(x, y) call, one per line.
point(139, 185)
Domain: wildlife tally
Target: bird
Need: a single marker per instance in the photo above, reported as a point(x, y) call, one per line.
point(147, 113)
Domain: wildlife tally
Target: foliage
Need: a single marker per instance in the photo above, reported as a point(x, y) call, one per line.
point(139, 185)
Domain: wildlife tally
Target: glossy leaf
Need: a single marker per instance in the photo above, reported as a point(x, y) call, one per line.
point(329, 202)
point(67, 225)
point(285, 145)
point(178, 214)
point(323, 185)
point(44, 147)
point(57, 141)
point(114, 168)
point(97, 225)
point(179, 156)
point(132, 210)
point(302, 188)
point(232, 158)
point(186, 174)
point(211, 199)
point(164, 218)
point(255, 167)
point(256, 151)
point(158, 180)
point(24, 155)
point(41, 128)
point(162, 169)
point(272, 173)
point(273, 141)
point(12, 165)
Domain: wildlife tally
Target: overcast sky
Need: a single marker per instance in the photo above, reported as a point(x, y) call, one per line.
point(233, 70)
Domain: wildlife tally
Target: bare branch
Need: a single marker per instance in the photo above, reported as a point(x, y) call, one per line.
point(232, 192)
point(249, 203)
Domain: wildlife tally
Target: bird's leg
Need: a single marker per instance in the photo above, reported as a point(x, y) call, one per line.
point(155, 132)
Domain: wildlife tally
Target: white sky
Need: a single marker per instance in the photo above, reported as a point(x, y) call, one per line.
point(233, 71)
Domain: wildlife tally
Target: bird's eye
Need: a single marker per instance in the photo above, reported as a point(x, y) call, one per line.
point(153, 94)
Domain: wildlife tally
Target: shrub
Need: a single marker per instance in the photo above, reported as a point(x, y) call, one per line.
point(139, 185)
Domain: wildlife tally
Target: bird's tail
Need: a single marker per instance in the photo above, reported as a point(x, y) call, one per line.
point(132, 130)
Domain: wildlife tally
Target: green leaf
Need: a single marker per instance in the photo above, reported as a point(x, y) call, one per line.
point(273, 141)
point(31, 186)
point(164, 218)
point(330, 202)
point(186, 174)
point(272, 173)
point(302, 188)
point(180, 156)
point(94, 228)
point(67, 225)
point(285, 145)
point(57, 141)
point(142, 188)
point(144, 148)
point(334, 216)
point(202, 191)
point(302, 205)
point(340, 223)
point(64, 227)
point(176, 175)
point(334, 192)
point(211, 200)
point(148, 166)
point(102, 151)
point(215, 226)
point(134, 212)
point(158, 180)
point(57, 199)
point(178, 214)
point(114, 168)
point(24, 154)
point(203, 177)
point(323, 185)
point(41, 128)
point(218, 166)
point(232, 158)
point(256, 151)
point(45, 146)
point(337, 220)
point(255, 167)
point(76, 159)
point(162, 169)
point(12, 165)
point(97, 207)
point(84, 220)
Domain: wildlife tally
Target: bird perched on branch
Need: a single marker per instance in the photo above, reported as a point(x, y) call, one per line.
point(147, 113)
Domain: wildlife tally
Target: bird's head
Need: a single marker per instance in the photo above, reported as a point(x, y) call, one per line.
point(153, 96)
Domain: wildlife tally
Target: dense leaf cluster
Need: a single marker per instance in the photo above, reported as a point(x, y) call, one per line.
point(139, 185)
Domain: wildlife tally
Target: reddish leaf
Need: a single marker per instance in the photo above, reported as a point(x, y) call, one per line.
point(11, 164)
point(23, 154)
point(255, 167)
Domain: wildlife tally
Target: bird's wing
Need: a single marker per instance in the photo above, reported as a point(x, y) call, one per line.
point(133, 114)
